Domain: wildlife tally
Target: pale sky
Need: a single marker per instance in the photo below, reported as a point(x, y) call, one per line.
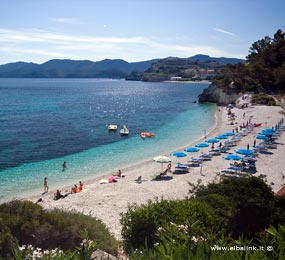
point(133, 30)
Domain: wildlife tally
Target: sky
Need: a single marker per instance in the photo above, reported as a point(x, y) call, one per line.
point(133, 30)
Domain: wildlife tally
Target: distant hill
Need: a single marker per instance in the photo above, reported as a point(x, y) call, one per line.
point(101, 69)
point(222, 60)
point(198, 67)
point(73, 69)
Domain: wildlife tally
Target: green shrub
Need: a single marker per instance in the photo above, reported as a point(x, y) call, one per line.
point(176, 242)
point(264, 99)
point(28, 223)
point(223, 207)
point(251, 198)
point(140, 223)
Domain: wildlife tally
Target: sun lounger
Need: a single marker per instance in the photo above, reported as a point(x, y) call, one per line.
point(138, 179)
point(181, 167)
point(229, 144)
point(223, 149)
point(227, 171)
point(206, 155)
point(195, 160)
point(214, 152)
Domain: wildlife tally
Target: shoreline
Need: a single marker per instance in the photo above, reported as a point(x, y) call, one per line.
point(188, 81)
point(107, 201)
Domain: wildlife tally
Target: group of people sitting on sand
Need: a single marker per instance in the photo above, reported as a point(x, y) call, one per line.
point(74, 189)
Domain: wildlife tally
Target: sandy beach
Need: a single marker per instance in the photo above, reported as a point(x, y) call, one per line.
point(107, 201)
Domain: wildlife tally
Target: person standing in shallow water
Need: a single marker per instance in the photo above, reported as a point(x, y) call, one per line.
point(64, 167)
point(45, 185)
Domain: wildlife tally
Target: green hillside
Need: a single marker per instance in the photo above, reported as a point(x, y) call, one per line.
point(263, 72)
point(198, 67)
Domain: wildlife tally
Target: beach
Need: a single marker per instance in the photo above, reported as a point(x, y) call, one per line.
point(107, 201)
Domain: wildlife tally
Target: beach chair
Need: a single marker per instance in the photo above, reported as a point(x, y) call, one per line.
point(227, 173)
point(138, 179)
point(195, 162)
point(181, 167)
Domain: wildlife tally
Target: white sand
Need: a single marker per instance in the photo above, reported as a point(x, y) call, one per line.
point(107, 201)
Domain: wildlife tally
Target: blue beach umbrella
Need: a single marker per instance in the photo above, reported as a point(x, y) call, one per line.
point(268, 130)
point(201, 145)
point(265, 133)
point(244, 151)
point(178, 154)
point(232, 157)
point(221, 137)
point(192, 149)
point(228, 134)
point(213, 140)
point(261, 137)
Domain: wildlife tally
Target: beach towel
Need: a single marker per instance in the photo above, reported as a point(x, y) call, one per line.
point(112, 179)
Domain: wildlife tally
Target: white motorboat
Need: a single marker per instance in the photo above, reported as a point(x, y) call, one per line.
point(124, 130)
point(112, 127)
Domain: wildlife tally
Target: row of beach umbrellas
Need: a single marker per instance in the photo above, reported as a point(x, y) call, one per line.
point(262, 135)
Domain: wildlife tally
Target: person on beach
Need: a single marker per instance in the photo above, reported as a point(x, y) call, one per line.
point(80, 186)
point(64, 167)
point(169, 167)
point(74, 189)
point(45, 185)
point(119, 174)
point(57, 195)
point(213, 146)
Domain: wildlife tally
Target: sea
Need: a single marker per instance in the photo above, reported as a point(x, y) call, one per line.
point(44, 122)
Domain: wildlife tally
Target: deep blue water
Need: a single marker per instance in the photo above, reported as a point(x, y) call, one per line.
point(43, 121)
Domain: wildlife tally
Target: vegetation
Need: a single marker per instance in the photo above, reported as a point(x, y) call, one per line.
point(263, 72)
point(73, 69)
point(263, 99)
point(140, 224)
point(175, 242)
point(235, 212)
point(187, 69)
point(25, 223)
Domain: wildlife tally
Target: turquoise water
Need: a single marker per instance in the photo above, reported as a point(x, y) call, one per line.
point(166, 109)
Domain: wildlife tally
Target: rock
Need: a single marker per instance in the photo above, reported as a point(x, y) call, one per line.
point(215, 94)
point(101, 255)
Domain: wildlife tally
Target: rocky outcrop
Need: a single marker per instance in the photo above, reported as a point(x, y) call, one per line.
point(216, 95)
point(282, 103)
point(99, 254)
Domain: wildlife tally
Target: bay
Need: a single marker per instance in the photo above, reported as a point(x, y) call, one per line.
point(44, 122)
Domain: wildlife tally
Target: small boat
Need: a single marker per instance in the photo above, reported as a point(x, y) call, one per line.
point(146, 134)
point(112, 127)
point(124, 130)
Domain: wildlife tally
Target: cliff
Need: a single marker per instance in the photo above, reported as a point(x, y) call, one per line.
point(216, 95)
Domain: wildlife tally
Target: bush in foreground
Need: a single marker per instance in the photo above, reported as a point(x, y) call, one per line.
point(176, 242)
point(140, 224)
point(233, 212)
point(252, 202)
point(25, 223)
